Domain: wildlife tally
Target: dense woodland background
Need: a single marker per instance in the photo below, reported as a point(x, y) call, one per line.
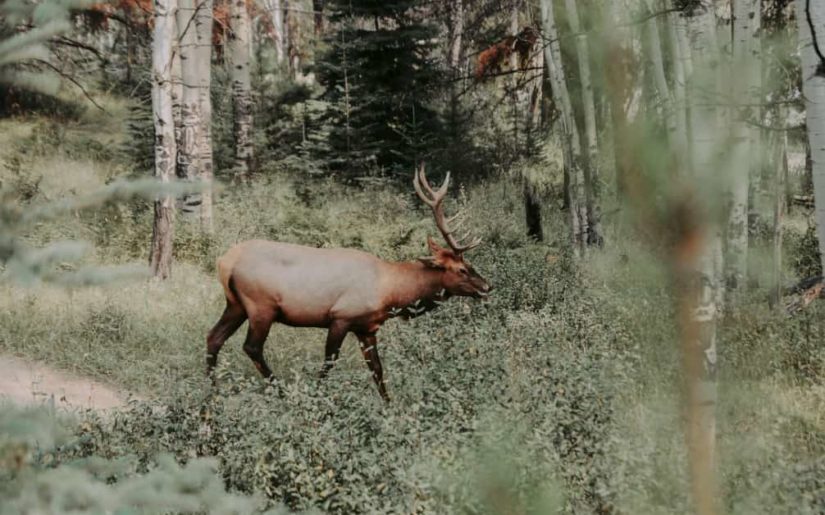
point(648, 177)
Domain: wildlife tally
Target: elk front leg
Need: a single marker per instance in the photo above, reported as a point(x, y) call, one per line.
point(259, 325)
point(335, 337)
point(369, 348)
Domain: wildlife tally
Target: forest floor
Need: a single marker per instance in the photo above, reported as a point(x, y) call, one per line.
point(26, 382)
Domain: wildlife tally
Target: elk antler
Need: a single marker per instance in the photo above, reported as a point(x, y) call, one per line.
point(435, 200)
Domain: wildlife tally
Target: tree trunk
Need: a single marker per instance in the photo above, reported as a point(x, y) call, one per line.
point(188, 135)
point(241, 89)
point(455, 53)
point(455, 39)
point(658, 72)
point(203, 30)
point(516, 93)
point(177, 91)
point(532, 212)
point(591, 167)
point(813, 88)
point(619, 71)
point(744, 84)
point(699, 348)
point(292, 34)
point(780, 171)
point(572, 146)
point(276, 13)
point(160, 259)
point(318, 14)
point(679, 53)
point(533, 128)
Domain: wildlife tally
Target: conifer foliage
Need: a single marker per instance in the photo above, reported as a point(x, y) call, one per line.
point(380, 76)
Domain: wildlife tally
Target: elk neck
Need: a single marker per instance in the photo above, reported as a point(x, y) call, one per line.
point(412, 281)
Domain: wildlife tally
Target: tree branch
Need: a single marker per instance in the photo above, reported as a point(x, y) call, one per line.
point(72, 80)
point(820, 69)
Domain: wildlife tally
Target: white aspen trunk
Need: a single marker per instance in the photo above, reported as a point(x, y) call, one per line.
point(164, 35)
point(203, 30)
point(744, 85)
point(276, 13)
point(780, 169)
point(813, 88)
point(455, 54)
point(706, 118)
point(658, 69)
point(591, 168)
point(177, 92)
point(700, 345)
point(188, 134)
point(241, 88)
point(681, 29)
point(552, 56)
point(292, 38)
point(516, 93)
point(619, 74)
point(678, 56)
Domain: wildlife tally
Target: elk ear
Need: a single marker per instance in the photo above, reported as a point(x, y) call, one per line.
point(438, 259)
point(435, 248)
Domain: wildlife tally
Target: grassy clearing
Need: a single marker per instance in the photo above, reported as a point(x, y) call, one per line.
point(561, 393)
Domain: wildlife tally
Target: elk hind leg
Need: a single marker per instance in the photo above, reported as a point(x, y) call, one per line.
point(232, 318)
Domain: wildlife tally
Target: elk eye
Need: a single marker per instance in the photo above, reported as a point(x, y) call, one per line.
point(462, 271)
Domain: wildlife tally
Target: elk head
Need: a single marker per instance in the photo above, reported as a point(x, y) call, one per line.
point(459, 277)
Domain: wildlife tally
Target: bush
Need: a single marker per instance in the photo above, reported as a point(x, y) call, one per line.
point(804, 253)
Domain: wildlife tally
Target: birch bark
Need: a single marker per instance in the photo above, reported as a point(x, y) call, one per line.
point(572, 145)
point(160, 258)
point(744, 85)
point(679, 53)
point(189, 137)
point(808, 14)
point(276, 13)
point(241, 89)
point(591, 166)
point(203, 74)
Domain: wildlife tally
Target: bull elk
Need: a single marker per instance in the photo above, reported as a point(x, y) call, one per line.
point(342, 290)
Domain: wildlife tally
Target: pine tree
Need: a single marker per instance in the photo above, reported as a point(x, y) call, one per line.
point(380, 76)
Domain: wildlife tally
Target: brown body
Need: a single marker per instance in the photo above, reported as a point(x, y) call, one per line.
point(342, 290)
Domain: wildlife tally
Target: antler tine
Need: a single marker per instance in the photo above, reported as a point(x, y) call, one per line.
point(442, 191)
point(473, 244)
point(455, 217)
point(463, 236)
point(425, 191)
point(435, 200)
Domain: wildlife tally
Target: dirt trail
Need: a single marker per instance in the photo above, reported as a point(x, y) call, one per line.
point(26, 382)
